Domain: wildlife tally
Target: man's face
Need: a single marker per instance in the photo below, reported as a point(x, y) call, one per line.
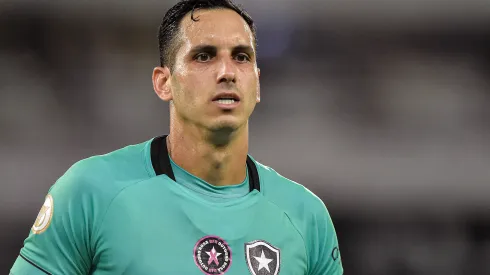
point(215, 60)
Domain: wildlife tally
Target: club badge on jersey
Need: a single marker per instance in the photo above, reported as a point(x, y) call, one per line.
point(262, 258)
point(212, 255)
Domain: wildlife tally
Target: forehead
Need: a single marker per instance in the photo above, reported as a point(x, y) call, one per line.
point(219, 27)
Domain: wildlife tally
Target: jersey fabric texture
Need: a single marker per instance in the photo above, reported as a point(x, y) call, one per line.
point(134, 211)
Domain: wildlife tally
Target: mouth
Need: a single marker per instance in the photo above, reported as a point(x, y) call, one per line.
point(226, 99)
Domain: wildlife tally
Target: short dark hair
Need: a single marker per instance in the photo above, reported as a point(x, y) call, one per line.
point(170, 26)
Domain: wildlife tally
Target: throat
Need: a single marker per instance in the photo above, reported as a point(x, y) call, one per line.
point(217, 157)
point(220, 171)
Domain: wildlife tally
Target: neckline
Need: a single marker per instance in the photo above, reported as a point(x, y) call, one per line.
point(161, 163)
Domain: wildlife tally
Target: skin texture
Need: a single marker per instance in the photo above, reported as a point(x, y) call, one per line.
point(207, 140)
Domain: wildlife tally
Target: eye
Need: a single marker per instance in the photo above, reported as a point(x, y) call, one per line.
point(202, 57)
point(242, 57)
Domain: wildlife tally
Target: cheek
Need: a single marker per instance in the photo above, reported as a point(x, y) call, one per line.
point(191, 90)
point(185, 85)
point(252, 85)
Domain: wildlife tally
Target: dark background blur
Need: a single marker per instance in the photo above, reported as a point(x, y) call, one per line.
point(379, 107)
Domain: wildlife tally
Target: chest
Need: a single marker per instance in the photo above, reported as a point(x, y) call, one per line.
point(180, 236)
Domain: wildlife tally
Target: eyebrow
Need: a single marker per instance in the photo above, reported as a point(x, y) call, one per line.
point(213, 49)
point(203, 49)
point(243, 49)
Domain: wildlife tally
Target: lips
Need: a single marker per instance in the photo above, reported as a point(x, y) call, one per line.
point(226, 96)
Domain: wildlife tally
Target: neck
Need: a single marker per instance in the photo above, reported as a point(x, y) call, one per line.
point(218, 157)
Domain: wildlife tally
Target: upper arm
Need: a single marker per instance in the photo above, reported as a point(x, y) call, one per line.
point(59, 242)
point(323, 246)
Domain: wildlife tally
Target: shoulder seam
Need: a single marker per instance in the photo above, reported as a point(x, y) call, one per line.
point(146, 164)
point(264, 189)
point(109, 206)
point(299, 232)
point(289, 218)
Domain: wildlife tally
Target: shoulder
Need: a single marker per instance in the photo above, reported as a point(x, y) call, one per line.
point(289, 195)
point(108, 173)
point(308, 213)
point(278, 187)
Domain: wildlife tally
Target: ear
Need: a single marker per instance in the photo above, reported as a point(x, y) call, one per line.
point(258, 87)
point(161, 83)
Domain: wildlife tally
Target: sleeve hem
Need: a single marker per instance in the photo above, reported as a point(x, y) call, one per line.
point(33, 264)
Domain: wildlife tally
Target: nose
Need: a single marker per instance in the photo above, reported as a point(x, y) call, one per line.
point(226, 71)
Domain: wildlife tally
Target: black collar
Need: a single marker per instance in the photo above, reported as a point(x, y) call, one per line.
point(161, 163)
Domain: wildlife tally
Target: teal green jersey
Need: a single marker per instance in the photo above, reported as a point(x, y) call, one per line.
point(134, 211)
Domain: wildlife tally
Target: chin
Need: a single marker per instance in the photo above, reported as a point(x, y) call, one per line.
point(228, 124)
point(221, 134)
point(224, 129)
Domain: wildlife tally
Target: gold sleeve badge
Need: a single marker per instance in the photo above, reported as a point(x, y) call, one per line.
point(44, 217)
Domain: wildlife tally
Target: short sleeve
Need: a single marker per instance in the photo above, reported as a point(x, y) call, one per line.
point(59, 240)
point(323, 246)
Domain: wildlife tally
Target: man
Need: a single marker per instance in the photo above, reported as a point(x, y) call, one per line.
point(192, 202)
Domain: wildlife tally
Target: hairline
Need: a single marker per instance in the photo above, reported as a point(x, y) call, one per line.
point(177, 41)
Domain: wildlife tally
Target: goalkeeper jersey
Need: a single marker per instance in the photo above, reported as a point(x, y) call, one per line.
point(134, 211)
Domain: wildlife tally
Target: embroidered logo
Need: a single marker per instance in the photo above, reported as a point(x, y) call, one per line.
point(212, 255)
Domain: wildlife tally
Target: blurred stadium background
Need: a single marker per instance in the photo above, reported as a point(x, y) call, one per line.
point(382, 108)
